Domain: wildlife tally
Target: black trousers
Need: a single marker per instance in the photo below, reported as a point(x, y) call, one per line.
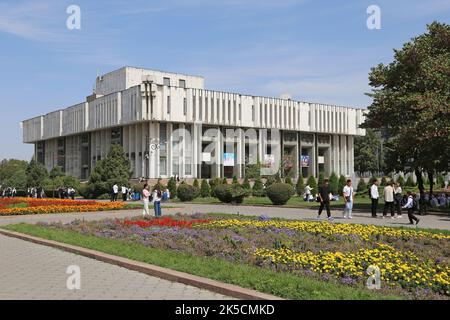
point(389, 206)
point(411, 216)
point(374, 207)
point(325, 204)
point(398, 207)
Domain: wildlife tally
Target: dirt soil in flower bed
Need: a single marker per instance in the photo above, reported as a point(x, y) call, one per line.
point(415, 264)
point(24, 206)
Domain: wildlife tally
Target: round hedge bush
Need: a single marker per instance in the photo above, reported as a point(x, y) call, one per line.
point(280, 193)
point(186, 192)
point(227, 193)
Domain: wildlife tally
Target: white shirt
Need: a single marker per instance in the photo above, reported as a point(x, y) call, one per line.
point(116, 189)
point(348, 192)
point(409, 204)
point(374, 192)
point(124, 189)
point(308, 190)
point(155, 196)
point(389, 194)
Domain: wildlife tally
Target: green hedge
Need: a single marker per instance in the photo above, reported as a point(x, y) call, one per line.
point(280, 193)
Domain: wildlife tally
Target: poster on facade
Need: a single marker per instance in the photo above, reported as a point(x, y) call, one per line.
point(269, 160)
point(320, 160)
point(304, 161)
point(228, 159)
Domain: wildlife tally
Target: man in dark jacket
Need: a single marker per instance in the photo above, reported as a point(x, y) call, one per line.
point(324, 196)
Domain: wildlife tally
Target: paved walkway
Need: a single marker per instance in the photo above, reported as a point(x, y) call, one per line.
point(31, 271)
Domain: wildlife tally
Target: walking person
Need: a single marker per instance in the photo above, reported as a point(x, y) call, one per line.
point(308, 195)
point(411, 205)
point(324, 196)
point(115, 192)
point(157, 195)
point(374, 195)
point(398, 199)
point(349, 197)
point(388, 200)
point(124, 193)
point(146, 200)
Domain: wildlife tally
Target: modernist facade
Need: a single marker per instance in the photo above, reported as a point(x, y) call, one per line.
point(144, 110)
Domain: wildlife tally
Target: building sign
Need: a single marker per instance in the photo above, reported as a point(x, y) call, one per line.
point(206, 156)
point(320, 159)
point(305, 161)
point(269, 160)
point(228, 159)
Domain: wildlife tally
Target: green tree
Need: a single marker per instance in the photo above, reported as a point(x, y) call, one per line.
point(196, 185)
point(246, 184)
point(288, 180)
point(235, 180)
point(205, 190)
point(400, 180)
point(12, 172)
point(56, 172)
point(334, 183)
point(36, 174)
point(224, 181)
point(114, 169)
point(300, 186)
point(411, 104)
point(341, 184)
point(369, 154)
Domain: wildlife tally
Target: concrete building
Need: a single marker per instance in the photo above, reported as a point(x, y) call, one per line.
point(143, 110)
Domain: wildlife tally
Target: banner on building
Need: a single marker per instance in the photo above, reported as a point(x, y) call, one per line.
point(228, 159)
point(305, 161)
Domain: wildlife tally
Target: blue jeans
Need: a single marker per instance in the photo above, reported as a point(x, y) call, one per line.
point(157, 205)
point(348, 209)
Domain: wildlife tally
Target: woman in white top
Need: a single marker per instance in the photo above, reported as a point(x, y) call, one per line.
point(398, 199)
point(146, 199)
point(157, 195)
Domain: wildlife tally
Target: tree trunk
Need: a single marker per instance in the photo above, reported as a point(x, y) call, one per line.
point(430, 178)
point(418, 173)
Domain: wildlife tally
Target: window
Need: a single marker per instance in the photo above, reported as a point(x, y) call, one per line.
point(200, 108)
point(184, 106)
point(166, 81)
point(253, 113)
point(218, 109)
point(206, 108)
point(212, 109)
point(168, 104)
point(260, 114)
point(240, 112)
point(182, 83)
point(234, 111)
point(229, 110)
point(194, 111)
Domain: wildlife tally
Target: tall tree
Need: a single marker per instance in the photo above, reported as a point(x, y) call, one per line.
point(36, 174)
point(369, 155)
point(115, 168)
point(411, 102)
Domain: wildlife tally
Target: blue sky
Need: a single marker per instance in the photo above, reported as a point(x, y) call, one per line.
point(315, 50)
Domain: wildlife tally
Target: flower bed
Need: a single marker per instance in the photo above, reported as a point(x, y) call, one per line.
point(42, 206)
point(412, 263)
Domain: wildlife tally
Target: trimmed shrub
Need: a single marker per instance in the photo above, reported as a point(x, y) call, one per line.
point(247, 187)
point(341, 184)
point(313, 184)
point(186, 192)
point(334, 183)
point(280, 193)
point(204, 189)
point(362, 186)
point(213, 184)
point(172, 186)
point(258, 189)
point(230, 193)
point(384, 181)
point(300, 186)
point(321, 179)
point(410, 182)
point(224, 181)
point(288, 180)
point(400, 180)
point(270, 181)
point(235, 180)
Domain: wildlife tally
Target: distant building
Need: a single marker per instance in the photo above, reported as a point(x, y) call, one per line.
point(142, 109)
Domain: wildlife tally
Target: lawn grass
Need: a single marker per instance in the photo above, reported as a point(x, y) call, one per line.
point(281, 284)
